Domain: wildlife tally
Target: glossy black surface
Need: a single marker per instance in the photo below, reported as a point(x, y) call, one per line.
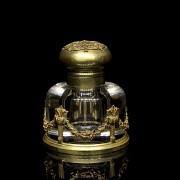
point(110, 166)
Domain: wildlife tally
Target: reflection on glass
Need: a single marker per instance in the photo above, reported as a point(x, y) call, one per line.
point(86, 109)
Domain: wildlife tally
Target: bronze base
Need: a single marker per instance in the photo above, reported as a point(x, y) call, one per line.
point(86, 149)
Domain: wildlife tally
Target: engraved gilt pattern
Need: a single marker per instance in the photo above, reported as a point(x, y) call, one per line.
point(84, 45)
point(88, 174)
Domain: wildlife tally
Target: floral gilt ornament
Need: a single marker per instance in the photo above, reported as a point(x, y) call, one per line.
point(112, 115)
point(60, 116)
point(61, 119)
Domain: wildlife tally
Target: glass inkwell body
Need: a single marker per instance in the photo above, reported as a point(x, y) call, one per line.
point(86, 115)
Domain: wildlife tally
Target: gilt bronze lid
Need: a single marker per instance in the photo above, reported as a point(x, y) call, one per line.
point(85, 54)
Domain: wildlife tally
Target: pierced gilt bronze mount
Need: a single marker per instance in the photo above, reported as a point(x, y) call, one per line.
point(85, 115)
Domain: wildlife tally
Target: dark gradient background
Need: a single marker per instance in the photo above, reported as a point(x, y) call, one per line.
point(135, 38)
point(129, 68)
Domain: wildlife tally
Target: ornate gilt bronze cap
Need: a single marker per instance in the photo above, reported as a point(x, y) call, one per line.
point(85, 116)
point(85, 54)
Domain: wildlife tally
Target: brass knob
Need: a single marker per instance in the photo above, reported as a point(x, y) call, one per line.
point(85, 54)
